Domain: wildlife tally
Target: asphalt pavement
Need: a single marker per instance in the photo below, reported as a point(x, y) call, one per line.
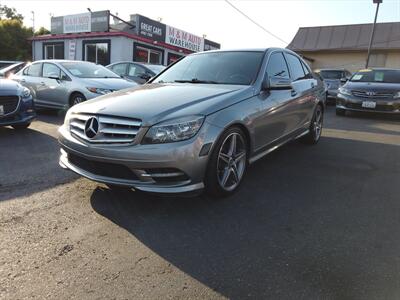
point(309, 222)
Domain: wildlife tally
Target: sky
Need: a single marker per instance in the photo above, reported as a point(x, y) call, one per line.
point(219, 21)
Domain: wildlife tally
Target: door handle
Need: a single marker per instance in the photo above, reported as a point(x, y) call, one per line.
point(293, 93)
point(42, 83)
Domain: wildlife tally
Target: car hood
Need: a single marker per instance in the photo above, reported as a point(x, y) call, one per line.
point(373, 86)
point(9, 87)
point(115, 84)
point(153, 103)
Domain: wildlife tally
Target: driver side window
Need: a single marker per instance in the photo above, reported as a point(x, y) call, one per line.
point(277, 66)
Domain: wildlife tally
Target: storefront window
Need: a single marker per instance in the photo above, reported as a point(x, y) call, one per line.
point(54, 51)
point(173, 58)
point(147, 55)
point(97, 52)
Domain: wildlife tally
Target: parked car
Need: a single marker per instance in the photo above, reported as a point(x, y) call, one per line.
point(371, 90)
point(197, 125)
point(334, 79)
point(60, 84)
point(6, 63)
point(16, 105)
point(139, 73)
point(12, 69)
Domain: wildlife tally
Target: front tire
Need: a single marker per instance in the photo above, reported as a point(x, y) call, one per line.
point(228, 163)
point(21, 126)
point(315, 130)
point(76, 98)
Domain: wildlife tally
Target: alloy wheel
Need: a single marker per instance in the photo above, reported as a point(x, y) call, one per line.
point(317, 126)
point(231, 161)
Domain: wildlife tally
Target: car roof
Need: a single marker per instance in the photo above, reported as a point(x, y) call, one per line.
point(378, 69)
point(61, 61)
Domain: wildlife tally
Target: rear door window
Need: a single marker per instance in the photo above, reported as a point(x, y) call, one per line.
point(296, 69)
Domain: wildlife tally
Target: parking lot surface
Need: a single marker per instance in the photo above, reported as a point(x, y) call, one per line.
point(309, 222)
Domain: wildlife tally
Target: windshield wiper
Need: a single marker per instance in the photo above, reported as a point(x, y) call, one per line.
point(195, 80)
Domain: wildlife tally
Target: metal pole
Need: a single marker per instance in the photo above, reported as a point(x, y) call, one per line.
point(372, 35)
point(33, 35)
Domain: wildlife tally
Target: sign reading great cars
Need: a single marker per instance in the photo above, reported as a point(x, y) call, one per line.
point(183, 39)
point(149, 28)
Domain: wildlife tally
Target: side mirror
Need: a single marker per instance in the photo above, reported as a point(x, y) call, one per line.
point(54, 77)
point(144, 76)
point(277, 83)
point(343, 80)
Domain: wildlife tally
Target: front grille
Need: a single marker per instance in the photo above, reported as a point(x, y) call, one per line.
point(9, 103)
point(364, 94)
point(111, 130)
point(102, 168)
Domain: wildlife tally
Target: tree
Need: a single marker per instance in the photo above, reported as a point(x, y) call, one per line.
point(42, 31)
point(10, 13)
point(14, 40)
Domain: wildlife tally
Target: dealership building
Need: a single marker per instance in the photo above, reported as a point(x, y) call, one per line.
point(91, 37)
point(346, 46)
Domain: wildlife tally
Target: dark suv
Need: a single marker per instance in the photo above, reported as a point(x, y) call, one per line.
point(371, 90)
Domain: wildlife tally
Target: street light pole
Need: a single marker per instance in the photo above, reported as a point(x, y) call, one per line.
point(377, 2)
point(33, 35)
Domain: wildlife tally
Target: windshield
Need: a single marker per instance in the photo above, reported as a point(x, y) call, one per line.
point(332, 74)
point(88, 70)
point(384, 76)
point(215, 67)
point(156, 68)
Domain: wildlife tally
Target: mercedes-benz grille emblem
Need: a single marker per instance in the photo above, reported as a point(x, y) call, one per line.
point(91, 127)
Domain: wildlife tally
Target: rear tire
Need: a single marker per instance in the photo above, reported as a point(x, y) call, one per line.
point(227, 163)
point(315, 130)
point(76, 98)
point(21, 126)
point(340, 112)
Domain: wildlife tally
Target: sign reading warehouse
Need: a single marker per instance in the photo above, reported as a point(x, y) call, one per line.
point(86, 22)
point(183, 39)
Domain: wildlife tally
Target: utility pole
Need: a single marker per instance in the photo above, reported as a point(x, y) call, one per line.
point(377, 2)
point(33, 35)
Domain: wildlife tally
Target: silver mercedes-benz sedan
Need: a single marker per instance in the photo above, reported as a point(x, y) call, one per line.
point(197, 125)
point(60, 84)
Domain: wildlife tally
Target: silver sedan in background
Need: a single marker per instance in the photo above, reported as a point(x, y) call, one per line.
point(60, 84)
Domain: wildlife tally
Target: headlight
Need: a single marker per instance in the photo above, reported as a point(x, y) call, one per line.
point(67, 117)
point(397, 95)
point(174, 130)
point(26, 94)
point(99, 90)
point(344, 91)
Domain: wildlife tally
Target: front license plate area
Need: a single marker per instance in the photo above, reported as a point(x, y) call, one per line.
point(368, 104)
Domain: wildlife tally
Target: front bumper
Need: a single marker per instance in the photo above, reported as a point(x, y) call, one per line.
point(24, 114)
point(352, 103)
point(332, 94)
point(161, 168)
